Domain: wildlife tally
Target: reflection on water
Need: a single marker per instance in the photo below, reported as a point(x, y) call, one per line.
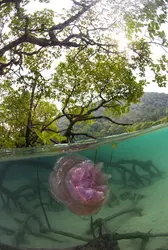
point(138, 203)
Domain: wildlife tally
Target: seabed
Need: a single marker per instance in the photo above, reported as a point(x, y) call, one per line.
point(134, 218)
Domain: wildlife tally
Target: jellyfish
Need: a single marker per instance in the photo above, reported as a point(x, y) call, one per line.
point(80, 184)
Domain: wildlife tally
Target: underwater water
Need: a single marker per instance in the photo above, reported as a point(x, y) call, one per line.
point(136, 213)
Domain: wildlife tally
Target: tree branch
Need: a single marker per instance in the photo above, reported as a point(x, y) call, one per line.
point(106, 118)
point(85, 134)
point(20, 53)
point(36, 41)
point(67, 100)
point(52, 130)
point(56, 118)
point(29, 119)
point(53, 41)
point(85, 8)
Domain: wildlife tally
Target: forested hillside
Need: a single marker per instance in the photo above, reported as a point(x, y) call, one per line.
point(153, 106)
point(151, 110)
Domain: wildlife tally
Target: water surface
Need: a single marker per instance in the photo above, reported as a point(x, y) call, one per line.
point(138, 164)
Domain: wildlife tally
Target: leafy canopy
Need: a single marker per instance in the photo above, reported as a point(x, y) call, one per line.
point(93, 72)
point(92, 80)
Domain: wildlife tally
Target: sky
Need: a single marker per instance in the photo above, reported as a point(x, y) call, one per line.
point(153, 87)
point(57, 6)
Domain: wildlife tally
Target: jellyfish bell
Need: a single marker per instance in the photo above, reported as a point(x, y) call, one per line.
point(79, 184)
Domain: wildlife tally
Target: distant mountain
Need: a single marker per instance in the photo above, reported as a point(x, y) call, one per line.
point(152, 107)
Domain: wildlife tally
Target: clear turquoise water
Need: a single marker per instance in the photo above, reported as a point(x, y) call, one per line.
point(28, 214)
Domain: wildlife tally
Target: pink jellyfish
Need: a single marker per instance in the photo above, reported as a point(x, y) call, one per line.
point(79, 184)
